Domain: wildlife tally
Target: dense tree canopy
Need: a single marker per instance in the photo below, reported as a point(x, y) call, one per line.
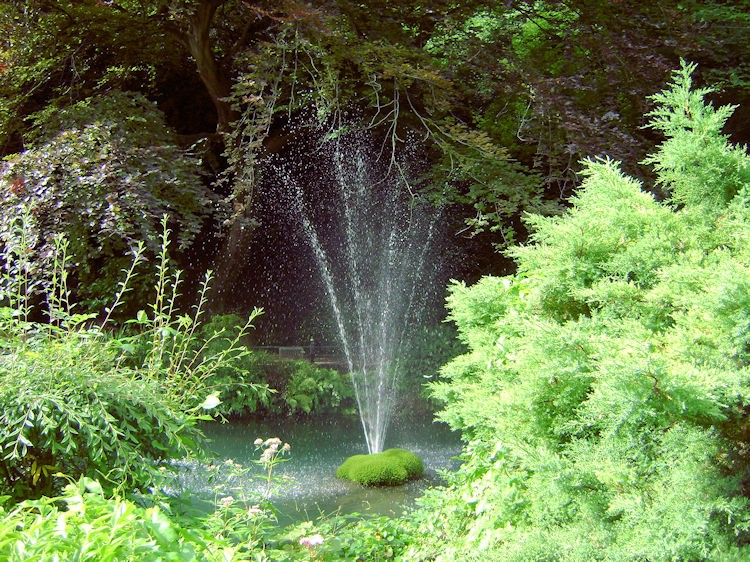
point(506, 98)
point(102, 173)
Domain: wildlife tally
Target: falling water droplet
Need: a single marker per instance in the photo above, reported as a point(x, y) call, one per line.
point(375, 265)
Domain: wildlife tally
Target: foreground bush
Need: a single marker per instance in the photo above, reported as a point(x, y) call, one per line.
point(85, 522)
point(65, 407)
point(71, 403)
point(606, 388)
point(85, 525)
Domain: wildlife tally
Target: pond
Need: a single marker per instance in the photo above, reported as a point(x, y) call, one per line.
point(306, 486)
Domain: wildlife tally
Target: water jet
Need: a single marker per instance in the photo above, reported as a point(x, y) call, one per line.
point(376, 263)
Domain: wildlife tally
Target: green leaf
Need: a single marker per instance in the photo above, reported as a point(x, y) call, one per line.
point(211, 401)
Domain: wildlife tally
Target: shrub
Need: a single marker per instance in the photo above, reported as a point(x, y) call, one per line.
point(389, 468)
point(84, 524)
point(355, 537)
point(66, 407)
point(293, 386)
point(102, 173)
point(70, 403)
point(311, 389)
point(605, 390)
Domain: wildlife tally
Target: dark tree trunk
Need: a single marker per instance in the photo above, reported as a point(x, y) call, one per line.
point(210, 71)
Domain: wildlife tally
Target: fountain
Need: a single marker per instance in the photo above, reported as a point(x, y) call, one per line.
point(307, 483)
point(376, 263)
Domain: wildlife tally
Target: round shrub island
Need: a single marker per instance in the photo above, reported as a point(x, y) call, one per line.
point(389, 468)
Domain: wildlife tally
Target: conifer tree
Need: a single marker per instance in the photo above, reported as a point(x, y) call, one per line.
point(607, 387)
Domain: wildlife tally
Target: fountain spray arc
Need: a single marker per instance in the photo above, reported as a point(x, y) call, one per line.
point(386, 241)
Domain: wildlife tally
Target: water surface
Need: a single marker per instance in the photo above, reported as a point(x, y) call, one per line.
point(306, 485)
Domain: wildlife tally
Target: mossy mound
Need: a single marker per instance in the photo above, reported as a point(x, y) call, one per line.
point(389, 468)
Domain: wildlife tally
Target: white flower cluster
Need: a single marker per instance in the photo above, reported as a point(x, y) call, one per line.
point(271, 448)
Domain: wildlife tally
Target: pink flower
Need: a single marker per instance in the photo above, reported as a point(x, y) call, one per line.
point(254, 510)
point(309, 542)
point(258, 442)
point(227, 501)
point(287, 447)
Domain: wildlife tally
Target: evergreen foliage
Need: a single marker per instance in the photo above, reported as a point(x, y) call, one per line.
point(606, 385)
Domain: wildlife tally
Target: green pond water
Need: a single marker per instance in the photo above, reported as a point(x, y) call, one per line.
point(306, 485)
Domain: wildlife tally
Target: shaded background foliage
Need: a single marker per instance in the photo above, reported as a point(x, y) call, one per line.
point(510, 96)
point(102, 172)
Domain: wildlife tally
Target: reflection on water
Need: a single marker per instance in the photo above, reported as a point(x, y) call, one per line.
point(307, 486)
